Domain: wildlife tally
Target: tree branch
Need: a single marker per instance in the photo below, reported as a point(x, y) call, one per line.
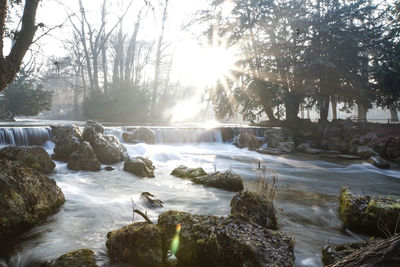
point(143, 215)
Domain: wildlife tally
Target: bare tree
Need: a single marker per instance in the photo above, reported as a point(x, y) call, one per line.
point(158, 59)
point(9, 65)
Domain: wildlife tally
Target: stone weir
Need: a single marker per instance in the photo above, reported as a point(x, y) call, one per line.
point(38, 136)
point(25, 136)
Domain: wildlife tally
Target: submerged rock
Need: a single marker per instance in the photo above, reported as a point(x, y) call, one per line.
point(139, 244)
point(223, 180)
point(247, 139)
point(67, 139)
point(91, 130)
point(141, 135)
point(254, 207)
point(307, 148)
point(287, 147)
point(219, 241)
point(140, 166)
point(349, 157)
point(27, 197)
point(369, 253)
point(78, 258)
point(108, 149)
point(151, 201)
point(379, 162)
point(84, 159)
point(269, 151)
point(185, 172)
point(109, 168)
point(369, 215)
point(34, 157)
point(365, 152)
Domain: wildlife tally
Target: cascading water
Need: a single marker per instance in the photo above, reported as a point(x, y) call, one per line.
point(176, 135)
point(24, 136)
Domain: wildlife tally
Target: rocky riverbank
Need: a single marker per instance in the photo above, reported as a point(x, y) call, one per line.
point(377, 143)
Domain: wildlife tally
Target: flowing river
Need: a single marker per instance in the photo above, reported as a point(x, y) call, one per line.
point(98, 202)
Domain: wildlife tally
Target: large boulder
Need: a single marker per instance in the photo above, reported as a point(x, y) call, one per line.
point(185, 172)
point(222, 180)
point(35, 157)
point(379, 162)
point(254, 207)
point(219, 241)
point(84, 159)
point(377, 252)
point(139, 244)
point(78, 258)
point(141, 135)
point(91, 130)
point(369, 214)
point(108, 149)
point(247, 139)
point(27, 197)
point(67, 139)
point(139, 166)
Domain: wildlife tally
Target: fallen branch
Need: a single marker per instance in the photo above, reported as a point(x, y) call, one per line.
point(143, 215)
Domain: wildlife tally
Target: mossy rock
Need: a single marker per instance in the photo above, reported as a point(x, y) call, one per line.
point(138, 244)
point(254, 207)
point(219, 241)
point(27, 197)
point(78, 258)
point(139, 166)
point(377, 216)
point(66, 140)
point(376, 252)
point(35, 157)
point(223, 180)
point(185, 172)
point(334, 253)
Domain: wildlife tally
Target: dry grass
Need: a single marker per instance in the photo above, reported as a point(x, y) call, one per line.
point(267, 182)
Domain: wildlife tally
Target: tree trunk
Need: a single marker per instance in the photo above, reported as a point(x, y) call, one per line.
point(334, 107)
point(10, 65)
point(361, 113)
point(130, 54)
point(158, 61)
point(393, 115)
point(104, 66)
point(382, 253)
point(292, 105)
point(324, 108)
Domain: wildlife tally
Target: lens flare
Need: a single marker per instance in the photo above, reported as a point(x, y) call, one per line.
point(175, 240)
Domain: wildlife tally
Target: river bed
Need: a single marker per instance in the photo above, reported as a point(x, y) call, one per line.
point(98, 202)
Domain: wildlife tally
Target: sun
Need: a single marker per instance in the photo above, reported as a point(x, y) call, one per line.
point(216, 63)
point(205, 65)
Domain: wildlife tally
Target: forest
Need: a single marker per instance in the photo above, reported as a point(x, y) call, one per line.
point(281, 59)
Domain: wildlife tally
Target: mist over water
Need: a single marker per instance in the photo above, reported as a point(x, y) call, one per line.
point(98, 202)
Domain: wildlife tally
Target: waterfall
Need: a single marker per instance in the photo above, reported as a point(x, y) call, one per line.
point(187, 135)
point(24, 136)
